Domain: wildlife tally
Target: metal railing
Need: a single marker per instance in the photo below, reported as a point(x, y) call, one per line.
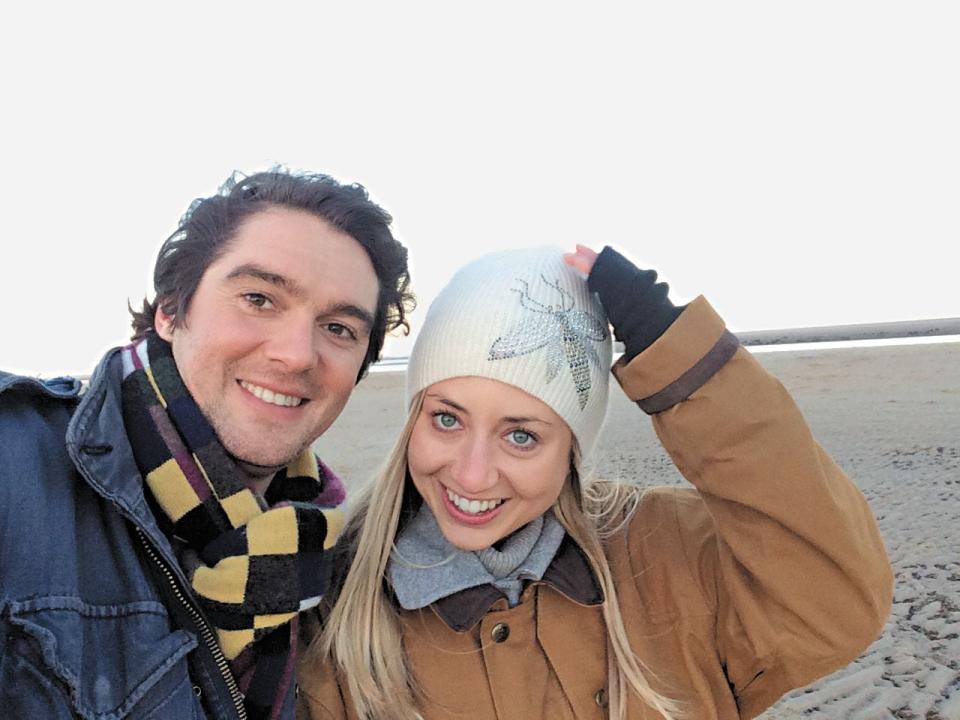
point(827, 333)
point(846, 333)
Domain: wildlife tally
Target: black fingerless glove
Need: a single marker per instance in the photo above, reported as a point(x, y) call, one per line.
point(636, 304)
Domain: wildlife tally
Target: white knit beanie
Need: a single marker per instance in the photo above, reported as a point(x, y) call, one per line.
point(526, 318)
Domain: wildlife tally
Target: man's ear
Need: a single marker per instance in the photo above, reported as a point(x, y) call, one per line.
point(163, 323)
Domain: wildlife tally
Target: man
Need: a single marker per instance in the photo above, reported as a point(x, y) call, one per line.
point(161, 530)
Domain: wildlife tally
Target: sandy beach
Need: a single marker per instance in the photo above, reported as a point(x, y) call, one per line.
point(890, 416)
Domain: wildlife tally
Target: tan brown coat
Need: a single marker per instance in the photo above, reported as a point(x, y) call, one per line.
point(765, 575)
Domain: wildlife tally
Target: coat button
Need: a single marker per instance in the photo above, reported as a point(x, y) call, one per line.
point(500, 632)
point(601, 697)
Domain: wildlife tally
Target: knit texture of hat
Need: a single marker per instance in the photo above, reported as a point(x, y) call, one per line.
point(526, 318)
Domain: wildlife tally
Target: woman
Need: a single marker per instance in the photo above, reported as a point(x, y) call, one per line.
point(488, 579)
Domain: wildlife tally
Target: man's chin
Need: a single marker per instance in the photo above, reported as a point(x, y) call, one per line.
point(261, 460)
point(261, 463)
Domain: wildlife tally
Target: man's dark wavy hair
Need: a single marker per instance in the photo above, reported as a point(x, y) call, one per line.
point(208, 226)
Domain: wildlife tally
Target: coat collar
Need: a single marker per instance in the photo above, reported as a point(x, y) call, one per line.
point(97, 443)
point(569, 574)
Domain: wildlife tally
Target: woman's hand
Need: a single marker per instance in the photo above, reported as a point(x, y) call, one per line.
point(582, 260)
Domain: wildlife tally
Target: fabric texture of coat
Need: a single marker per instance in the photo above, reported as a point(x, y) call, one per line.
point(766, 574)
point(97, 620)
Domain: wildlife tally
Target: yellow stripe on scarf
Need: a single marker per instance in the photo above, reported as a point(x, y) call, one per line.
point(232, 642)
point(335, 521)
point(274, 533)
point(267, 621)
point(305, 465)
point(172, 490)
point(241, 507)
point(225, 582)
point(153, 383)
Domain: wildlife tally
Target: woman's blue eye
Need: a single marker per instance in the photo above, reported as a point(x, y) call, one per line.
point(522, 438)
point(446, 420)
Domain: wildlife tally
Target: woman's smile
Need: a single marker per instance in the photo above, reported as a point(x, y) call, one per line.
point(487, 458)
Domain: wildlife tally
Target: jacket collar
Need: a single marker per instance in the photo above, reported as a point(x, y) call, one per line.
point(97, 443)
point(61, 388)
point(569, 574)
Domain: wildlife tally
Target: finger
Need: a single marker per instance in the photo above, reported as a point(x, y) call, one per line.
point(578, 263)
point(587, 252)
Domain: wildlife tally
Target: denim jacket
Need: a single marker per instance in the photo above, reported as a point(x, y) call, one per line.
point(97, 620)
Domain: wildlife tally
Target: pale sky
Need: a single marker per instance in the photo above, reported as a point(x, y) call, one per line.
point(797, 163)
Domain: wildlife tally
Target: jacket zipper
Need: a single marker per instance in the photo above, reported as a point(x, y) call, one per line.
point(205, 632)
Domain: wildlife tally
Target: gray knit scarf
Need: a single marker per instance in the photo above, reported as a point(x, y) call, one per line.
point(424, 567)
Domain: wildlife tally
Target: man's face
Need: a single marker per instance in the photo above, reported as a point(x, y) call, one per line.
point(275, 334)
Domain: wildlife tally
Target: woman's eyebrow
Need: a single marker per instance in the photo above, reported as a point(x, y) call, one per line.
point(451, 403)
point(525, 420)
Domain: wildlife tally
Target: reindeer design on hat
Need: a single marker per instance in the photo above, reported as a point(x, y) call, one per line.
point(567, 334)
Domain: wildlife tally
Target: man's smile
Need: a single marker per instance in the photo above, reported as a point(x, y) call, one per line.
point(271, 396)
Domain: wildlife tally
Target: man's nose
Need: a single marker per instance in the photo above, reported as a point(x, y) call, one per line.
point(475, 470)
point(294, 345)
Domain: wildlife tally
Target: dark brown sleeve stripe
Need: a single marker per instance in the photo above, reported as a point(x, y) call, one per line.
point(694, 378)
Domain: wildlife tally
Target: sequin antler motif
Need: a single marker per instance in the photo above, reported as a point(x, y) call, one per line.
point(567, 334)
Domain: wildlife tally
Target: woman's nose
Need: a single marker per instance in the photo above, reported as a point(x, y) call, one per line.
point(475, 470)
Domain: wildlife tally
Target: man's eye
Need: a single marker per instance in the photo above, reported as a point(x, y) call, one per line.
point(341, 330)
point(522, 438)
point(258, 300)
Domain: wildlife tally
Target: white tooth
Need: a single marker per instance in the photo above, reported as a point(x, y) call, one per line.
point(472, 506)
point(274, 398)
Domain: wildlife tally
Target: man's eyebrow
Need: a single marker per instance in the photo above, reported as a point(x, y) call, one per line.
point(252, 270)
point(354, 311)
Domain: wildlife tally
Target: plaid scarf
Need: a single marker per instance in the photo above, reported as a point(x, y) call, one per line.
point(254, 563)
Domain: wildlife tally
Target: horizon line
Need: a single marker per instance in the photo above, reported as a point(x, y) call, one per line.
point(854, 333)
point(893, 330)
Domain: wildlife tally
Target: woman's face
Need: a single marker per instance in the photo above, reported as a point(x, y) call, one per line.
point(487, 458)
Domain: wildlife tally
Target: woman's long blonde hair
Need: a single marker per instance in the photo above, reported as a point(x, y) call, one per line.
point(361, 637)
